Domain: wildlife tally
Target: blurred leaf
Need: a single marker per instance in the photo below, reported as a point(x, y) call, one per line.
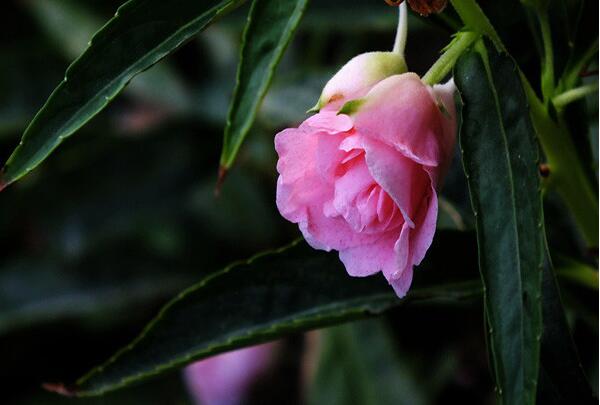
point(141, 33)
point(577, 272)
point(359, 363)
point(575, 39)
point(271, 295)
point(68, 24)
point(290, 97)
point(448, 216)
point(270, 28)
point(562, 379)
point(27, 73)
point(35, 291)
point(500, 157)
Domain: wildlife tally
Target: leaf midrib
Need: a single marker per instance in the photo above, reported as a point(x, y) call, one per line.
point(489, 75)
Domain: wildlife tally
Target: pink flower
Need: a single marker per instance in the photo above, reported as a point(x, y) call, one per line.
point(225, 379)
point(360, 176)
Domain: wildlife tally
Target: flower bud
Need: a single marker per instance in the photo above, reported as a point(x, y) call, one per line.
point(357, 76)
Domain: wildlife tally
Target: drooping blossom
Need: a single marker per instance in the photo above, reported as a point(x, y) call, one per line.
point(361, 175)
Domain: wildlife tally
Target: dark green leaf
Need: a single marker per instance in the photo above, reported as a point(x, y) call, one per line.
point(141, 33)
point(500, 158)
point(293, 289)
point(271, 26)
point(359, 363)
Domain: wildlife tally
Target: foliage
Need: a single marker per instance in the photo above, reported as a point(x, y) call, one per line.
point(120, 220)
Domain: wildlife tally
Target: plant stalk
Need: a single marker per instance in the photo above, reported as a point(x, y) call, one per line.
point(401, 31)
point(446, 61)
point(548, 62)
point(567, 174)
point(475, 19)
point(562, 100)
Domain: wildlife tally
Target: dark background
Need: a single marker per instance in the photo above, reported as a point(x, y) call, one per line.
point(123, 215)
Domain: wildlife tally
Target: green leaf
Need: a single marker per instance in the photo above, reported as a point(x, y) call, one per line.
point(290, 290)
point(141, 33)
point(359, 363)
point(270, 28)
point(500, 158)
point(577, 272)
point(67, 23)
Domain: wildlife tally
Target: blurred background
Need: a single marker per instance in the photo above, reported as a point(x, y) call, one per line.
point(124, 214)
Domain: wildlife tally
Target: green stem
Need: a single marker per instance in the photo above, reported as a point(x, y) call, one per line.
point(571, 74)
point(567, 175)
point(474, 18)
point(548, 62)
point(446, 61)
point(575, 94)
point(401, 30)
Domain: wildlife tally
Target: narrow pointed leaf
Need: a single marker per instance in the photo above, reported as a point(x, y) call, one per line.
point(500, 158)
point(140, 34)
point(290, 290)
point(270, 27)
point(71, 24)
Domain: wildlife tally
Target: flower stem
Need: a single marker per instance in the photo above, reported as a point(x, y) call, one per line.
point(446, 61)
point(401, 31)
point(567, 175)
point(475, 20)
point(548, 62)
point(575, 94)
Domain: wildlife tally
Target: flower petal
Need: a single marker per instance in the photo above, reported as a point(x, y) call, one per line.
point(401, 112)
point(330, 122)
point(326, 232)
point(402, 284)
point(365, 260)
point(402, 178)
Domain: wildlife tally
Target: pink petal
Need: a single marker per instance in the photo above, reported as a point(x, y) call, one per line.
point(365, 260)
point(347, 189)
point(403, 258)
point(402, 284)
point(401, 112)
point(352, 142)
point(326, 233)
point(403, 179)
point(299, 183)
point(330, 122)
point(294, 146)
point(422, 235)
point(328, 156)
point(226, 378)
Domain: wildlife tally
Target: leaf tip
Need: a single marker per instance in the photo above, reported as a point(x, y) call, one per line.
point(59, 388)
